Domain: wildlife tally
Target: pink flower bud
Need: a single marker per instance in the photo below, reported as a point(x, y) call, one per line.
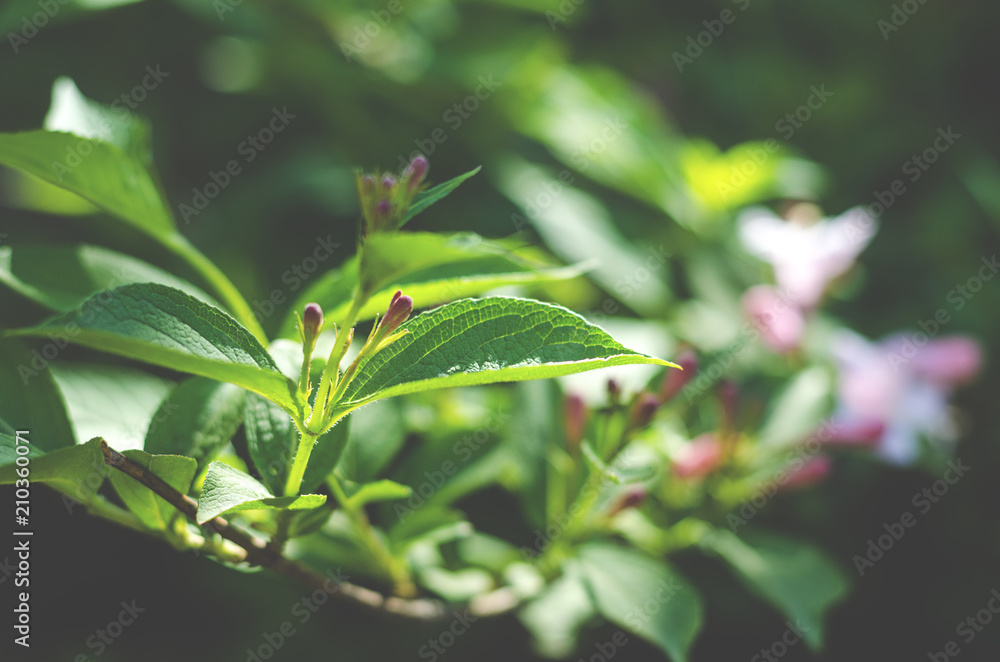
point(399, 309)
point(576, 420)
point(367, 185)
point(864, 433)
point(312, 321)
point(644, 409)
point(388, 182)
point(700, 457)
point(780, 323)
point(415, 173)
point(614, 392)
point(632, 498)
point(675, 379)
point(811, 472)
point(949, 361)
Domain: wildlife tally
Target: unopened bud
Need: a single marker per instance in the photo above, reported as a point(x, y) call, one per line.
point(700, 457)
point(632, 498)
point(675, 379)
point(576, 420)
point(415, 173)
point(863, 434)
point(367, 185)
point(809, 473)
point(399, 309)
point(644, 409)
point(312, 323)
point(388, 182)
point(614, 392)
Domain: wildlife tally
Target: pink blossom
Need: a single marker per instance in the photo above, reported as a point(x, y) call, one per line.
point(902, 386)
point(811, 472)
point(779, 321)
point(699, 458)
point(806, 254)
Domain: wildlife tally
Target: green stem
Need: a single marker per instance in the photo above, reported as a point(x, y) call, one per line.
point(332, 367)
point(306, 442)
point(402, 583)
point(230, 296)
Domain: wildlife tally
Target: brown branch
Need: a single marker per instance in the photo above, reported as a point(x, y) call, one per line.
point(259, 553)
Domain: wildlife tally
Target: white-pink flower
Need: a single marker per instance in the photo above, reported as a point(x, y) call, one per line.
point(902, 383)
point(779, 322)
point(806, 254)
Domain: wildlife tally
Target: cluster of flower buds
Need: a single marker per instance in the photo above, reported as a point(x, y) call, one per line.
point(385, 198)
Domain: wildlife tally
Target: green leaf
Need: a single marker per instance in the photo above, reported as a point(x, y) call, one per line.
point(198, 418)
point(795, 577)
point(229, 490)
point(361, 494)
point(413, 259)
point(427, 198)
point(799, 409)
point(557, 615)
point(99, 154)
point(29, 396)
point(272, 439)
point(106, 176)
point(451, 277)
point(643, 596)
point(152, 510)
point(164, 326)
point(484, 341)
point(531, 433)
point(76, 470)
point(376, 435)
point(113, 402)
point(63, 277)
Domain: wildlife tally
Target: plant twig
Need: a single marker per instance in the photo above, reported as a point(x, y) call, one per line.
point(258, 552)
